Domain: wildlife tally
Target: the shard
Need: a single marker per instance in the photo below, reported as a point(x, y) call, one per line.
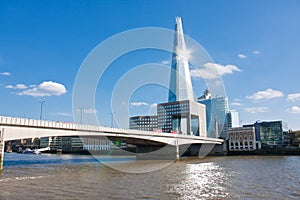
point(180, 81)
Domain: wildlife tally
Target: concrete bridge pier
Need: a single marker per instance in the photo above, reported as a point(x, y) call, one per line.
point(160, 152)
point(1, 147)
point(177, 150)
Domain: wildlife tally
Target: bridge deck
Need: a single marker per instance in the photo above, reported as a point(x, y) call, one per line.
point(20, 128)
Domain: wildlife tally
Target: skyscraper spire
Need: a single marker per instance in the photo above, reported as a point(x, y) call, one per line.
point(180, 81)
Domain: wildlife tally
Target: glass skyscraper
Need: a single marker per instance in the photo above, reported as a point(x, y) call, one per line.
point(181, 114)
point(216, 115)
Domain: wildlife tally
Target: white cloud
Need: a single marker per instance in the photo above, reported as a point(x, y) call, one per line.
point(154, 105)
point(213, 70)
point(18, 86)
point(242, 56)
point(254, 110)
point(153, 109)
point(293, 97)
point(293, 110)
point(139, 104)
point(5, 73)
point(65, 114)
point(90, 111)
point(256, 52)
point(165, 62)
point(9, 86)
point(265, 94)
point(46, 88)
point(87, 110)
point(236, 104)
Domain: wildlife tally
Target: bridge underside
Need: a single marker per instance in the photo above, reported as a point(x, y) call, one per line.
point(146, 141)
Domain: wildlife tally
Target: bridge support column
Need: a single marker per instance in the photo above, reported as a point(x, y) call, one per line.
point(1, 147)
point(177, 150)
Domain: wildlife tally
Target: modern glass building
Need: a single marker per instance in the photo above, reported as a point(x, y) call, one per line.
point(180, 79)
point(181, 114)
point(269, 133)
point(183, 117)
point(216, 115)
point(146, 123)
point(233, 119)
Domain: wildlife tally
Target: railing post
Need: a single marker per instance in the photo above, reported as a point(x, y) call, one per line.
point(1, 148)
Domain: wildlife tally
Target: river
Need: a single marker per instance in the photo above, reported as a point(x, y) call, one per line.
point(49, 176)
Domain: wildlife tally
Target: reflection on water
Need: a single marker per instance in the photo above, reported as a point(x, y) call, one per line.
point(82, 177)
point(203, 180)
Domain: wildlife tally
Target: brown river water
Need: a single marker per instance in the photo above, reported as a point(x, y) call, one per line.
point(49, 176)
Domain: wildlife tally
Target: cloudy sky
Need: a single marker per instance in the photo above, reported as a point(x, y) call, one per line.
point(255, 46)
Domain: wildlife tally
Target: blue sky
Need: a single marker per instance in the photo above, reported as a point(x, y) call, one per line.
point(256, 45)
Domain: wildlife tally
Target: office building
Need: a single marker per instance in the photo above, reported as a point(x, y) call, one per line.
point(183, 117)
point(75, 143)
point(233, 119)
point(268, 133)
point(145, 123)
point(294, 138)
point(216, 114)
point(180, 78)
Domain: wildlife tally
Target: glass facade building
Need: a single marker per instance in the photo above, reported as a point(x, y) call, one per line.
point(182, 117)
point(181, 114)
point(216, 116)
point(269, 133)
point(233, 119)
point(145, 123)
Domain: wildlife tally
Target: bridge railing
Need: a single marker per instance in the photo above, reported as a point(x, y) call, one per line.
point(66, 125)
point(36, 123)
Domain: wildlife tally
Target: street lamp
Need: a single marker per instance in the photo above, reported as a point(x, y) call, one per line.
point(41, 113)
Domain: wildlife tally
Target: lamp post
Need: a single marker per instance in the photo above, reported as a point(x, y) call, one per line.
point(41, 113)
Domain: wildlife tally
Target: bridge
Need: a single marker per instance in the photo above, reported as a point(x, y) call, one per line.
point(12, 128)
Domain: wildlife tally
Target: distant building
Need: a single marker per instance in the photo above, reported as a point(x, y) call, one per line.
point(268, 133)
point(216, 114)
point(96, 144)
point(294, 138)
point(183, 117)
point(75, 143)
point(145, 123)
point(286, 138)
point(233, 119)
point(242, 139)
